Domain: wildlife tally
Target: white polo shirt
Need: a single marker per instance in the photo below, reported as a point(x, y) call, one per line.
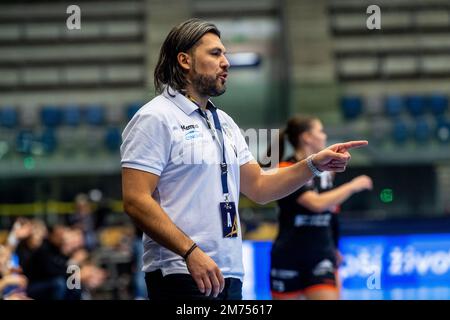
point(169, 138)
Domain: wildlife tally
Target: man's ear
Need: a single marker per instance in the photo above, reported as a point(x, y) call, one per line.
point(184, 60)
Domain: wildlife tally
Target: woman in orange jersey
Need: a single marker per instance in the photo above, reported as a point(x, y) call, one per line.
point(304, 256)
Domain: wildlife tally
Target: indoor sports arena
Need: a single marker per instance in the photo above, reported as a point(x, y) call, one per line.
point(224, 150)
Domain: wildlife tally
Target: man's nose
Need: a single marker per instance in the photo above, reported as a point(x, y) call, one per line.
point(225, 63)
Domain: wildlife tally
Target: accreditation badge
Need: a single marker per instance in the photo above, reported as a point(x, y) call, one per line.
point(229, 219)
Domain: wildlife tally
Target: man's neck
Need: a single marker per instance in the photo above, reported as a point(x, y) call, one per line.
point(200, 100)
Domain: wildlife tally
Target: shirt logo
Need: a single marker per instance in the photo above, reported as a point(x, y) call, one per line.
point(192, 134)
point(278, 285)
point(321, 220)
point(323, 267)
point(189, 127)
point(283, 274)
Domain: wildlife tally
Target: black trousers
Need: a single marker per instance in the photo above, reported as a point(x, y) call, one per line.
point(183, 287)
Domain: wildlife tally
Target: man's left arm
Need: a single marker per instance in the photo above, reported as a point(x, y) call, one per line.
point(266, 186)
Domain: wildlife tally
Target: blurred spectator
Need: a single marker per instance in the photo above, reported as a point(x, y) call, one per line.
point(140, 289)
point(34, 262)
point(92, 277)
point(46, 264)
point(28, 236)
point(84, 219)
point(12, 283)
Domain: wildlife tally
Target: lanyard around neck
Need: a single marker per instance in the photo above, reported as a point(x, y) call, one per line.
point(220, 141)
point(223, 164)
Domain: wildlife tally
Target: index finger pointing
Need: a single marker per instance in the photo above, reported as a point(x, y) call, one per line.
point(353, 144)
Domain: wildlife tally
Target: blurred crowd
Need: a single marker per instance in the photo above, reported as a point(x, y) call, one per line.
point(55, 262)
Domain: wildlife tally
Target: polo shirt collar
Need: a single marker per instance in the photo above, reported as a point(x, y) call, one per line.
point(182, 102)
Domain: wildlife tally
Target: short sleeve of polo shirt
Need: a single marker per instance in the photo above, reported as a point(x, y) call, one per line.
point(146, 144)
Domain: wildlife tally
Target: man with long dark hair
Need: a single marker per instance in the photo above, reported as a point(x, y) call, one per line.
point(184, 162)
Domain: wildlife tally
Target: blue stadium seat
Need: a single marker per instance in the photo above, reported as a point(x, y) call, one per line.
point(351, 107)
point(443, 130)
point(400, 132)
point(438, 104)
point(72, 115)
point(48, 140)
point(113, 139)
point(415, 105)
point(132, 109)
point(422, 131)
point(24, 141)
point(95, 115)
point(393, 106)
point(8, 117)
point(51, 116)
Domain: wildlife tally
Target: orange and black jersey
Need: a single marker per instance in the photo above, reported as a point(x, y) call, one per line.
point(301, 231)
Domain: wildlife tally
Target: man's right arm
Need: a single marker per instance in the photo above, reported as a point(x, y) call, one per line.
point(137, 188)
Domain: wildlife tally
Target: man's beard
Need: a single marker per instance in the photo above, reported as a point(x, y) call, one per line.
point(207, 85)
